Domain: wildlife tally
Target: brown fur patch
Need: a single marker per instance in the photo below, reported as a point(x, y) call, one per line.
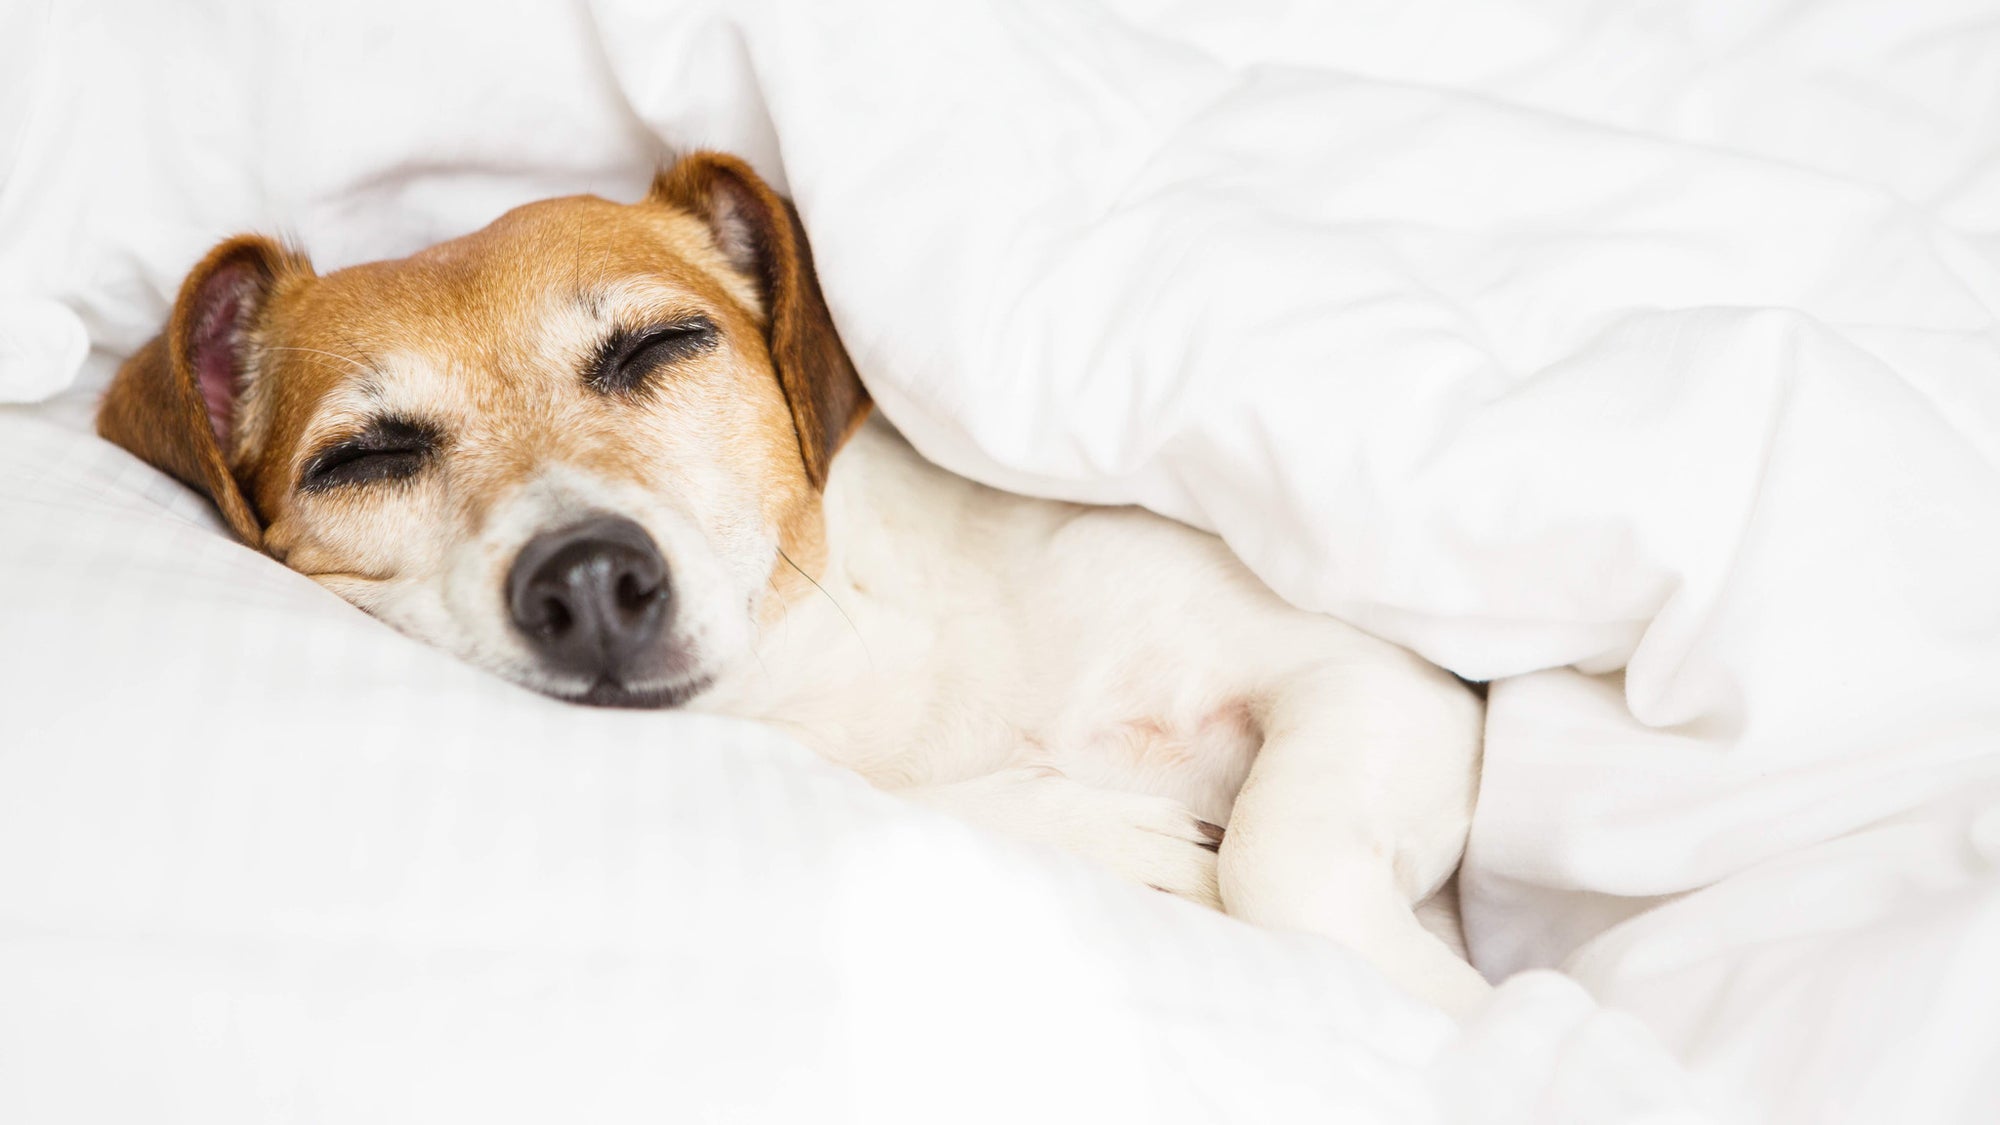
point(155, 405)
point(762, 232)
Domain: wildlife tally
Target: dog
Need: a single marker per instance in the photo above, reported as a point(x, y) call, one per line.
point(617, 453)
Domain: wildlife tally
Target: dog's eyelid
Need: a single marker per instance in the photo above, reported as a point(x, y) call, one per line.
point(382, 449)
point(629, 355)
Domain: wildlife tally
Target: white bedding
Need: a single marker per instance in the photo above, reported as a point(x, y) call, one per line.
point(1642, 358)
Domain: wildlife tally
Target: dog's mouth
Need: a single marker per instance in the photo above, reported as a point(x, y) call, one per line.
point(608, 692)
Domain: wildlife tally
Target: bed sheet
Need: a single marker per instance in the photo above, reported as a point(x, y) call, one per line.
point(263, 859)
point(1642, 359)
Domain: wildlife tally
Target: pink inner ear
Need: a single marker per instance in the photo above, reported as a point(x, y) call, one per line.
point(730, 220)
point(218, 337)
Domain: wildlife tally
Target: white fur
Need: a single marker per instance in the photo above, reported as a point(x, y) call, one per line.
point(1098, 679)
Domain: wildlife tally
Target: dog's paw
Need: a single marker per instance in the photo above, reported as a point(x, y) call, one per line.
point(1153, 841)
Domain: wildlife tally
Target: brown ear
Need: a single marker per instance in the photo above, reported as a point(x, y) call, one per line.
point(759, 232)
point(174, 402)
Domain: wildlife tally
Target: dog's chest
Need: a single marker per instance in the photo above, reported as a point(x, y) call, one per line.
point(1197, 751)
point(964, 631)
point(936, 699)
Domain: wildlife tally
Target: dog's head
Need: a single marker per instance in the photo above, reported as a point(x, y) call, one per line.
point(582, 447)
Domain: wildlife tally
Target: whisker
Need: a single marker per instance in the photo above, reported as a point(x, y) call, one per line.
point(836, 606)
point(784, 607)
point(348, 360)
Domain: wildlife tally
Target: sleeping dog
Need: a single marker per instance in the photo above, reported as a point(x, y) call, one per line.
point(617, 454)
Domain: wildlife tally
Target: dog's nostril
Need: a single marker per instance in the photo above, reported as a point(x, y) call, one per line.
point(635, 594)
point(556, 618)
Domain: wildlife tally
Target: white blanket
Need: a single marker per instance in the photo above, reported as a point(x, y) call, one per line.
point(1643, 358)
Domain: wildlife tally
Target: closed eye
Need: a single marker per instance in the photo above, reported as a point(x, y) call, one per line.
point(627, 358)
point(386, 449)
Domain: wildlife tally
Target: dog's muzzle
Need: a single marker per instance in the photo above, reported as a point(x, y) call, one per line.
point(594, 601)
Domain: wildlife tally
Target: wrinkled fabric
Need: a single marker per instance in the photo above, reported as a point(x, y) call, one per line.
point(1640, 359)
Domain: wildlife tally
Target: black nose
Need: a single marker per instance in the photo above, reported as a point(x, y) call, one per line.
point(593, 598)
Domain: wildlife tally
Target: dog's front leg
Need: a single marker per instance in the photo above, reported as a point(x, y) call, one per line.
point(1151, 840)
point(1356, 808)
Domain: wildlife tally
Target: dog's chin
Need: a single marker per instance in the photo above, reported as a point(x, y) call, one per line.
point(611, 693)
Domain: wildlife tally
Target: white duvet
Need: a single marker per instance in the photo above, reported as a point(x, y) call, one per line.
point(1642, 358)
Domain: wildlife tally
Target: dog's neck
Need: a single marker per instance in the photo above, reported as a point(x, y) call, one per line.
point(875, 544)
point(899, 571)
